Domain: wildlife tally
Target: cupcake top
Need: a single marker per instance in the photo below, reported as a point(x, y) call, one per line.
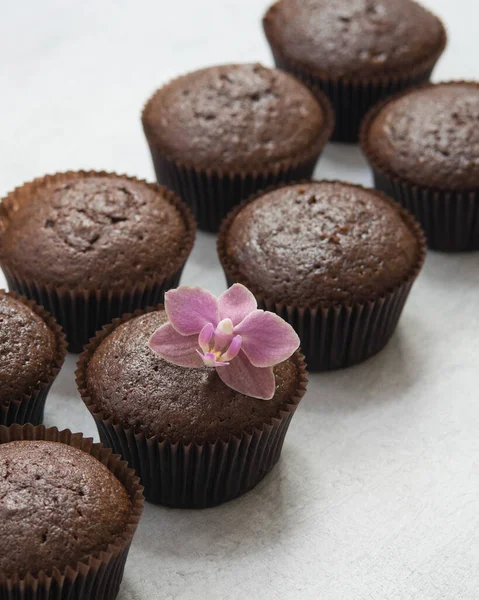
point(429, 136)
point(131, 383)
point(28, 349)
point(58, 504)
point(94, 230)
point(235, 117)
point(320, 243)
point(354, 38)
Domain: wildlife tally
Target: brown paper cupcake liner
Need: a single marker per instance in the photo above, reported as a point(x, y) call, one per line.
point(96, 576)
point(334, 336)
point(352, 97)
point(450, 218)
point(82, 310)
point(212, 193)
point(200, 473)
point(30, 406)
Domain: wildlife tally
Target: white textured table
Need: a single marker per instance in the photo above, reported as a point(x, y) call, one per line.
point(377, 493)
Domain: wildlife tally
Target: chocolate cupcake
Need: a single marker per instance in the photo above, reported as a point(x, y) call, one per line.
point(195, 438)
point(218, 134)
point(70, 509)
point(423, 148)
point(333, 259)
point(356, 51)
point(32, 350)
point(90, 246)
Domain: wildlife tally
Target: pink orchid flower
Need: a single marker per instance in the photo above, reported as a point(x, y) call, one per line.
point(228, 333)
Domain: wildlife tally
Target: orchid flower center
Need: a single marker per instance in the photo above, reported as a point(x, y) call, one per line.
point(219, 345)
point(225, 326)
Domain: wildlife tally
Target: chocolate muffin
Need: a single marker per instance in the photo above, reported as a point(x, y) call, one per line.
point(356, 51)
point(183, 425)
point(32, 350)
point(91, 246)
point(69, 512)
point(333, 259)
point(71, 506)
point(423, 147)
point(218, 134)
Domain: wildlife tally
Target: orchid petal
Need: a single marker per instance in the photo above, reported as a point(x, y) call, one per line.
point(247, 379)
point(205, 336)
point(175, 348)
point(236, 303)
point(233, 349)
point(210, 360)
point(267, 339)
point(189, 309)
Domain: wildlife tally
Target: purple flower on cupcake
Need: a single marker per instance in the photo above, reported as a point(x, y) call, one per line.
point(229, 334)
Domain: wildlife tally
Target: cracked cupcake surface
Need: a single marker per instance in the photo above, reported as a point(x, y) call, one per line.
point(240, 116)
point(430, 136)
point(321, 242)
point(93, 231)
point(129, 381)
point(28, 349)
point(351, 38)
point(58, 504)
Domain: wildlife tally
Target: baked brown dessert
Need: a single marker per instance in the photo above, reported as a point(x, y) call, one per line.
point(127, 380)
point(95, 231)
point(183, 416)
point(423, 147)
point(244, 122)
point(430, 136)
point(32, 350)
point(91, 245)
point(357, 51)
point(58, 505)
point(69, 513)
point(319, 251)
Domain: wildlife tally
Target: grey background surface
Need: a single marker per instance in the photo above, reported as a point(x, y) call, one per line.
point(377, 492)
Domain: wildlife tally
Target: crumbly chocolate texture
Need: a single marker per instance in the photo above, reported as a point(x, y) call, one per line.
point(322, 242)
point(430, 136)
point(130, 382)
point(348, 38)
point(234, 116)
point(27, 349)
point(57, 505)
point(94, 231)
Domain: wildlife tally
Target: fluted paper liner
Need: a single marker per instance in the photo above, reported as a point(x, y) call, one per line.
point(212, 193)
point(28, 408)
point(98, 575)
point(450, 218)
point(352, 97)
point(83, 310)
point(198, 473)
point(336, 335)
